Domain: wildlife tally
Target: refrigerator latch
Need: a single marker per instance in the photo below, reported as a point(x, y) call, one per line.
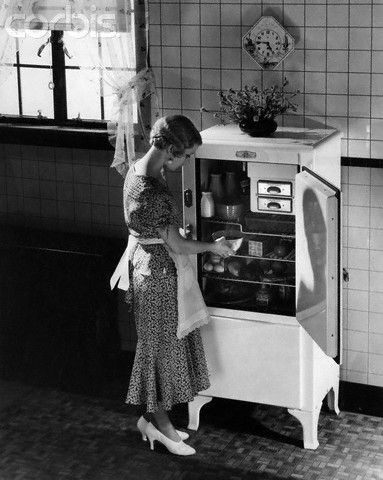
point(245, 154)
point(188, 198)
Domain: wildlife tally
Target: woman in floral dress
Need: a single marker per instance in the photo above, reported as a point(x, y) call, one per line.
point(167, 370)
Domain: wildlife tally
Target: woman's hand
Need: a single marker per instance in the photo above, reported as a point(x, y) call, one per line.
point(222, 248)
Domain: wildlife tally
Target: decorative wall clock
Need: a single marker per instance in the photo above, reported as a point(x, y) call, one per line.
point(268, 43)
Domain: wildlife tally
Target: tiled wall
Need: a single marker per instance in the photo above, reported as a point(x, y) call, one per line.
point(363, 257)
point(62, 189)
point(337, 64)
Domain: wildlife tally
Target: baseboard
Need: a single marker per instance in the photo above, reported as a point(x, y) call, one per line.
point(360, 398)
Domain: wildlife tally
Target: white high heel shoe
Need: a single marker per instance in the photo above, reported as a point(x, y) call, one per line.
point(142, 424)
point(178, 448)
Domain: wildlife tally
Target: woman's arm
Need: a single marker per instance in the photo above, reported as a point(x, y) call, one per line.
point(178, 244)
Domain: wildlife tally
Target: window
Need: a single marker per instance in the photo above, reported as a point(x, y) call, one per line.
point(54, 81)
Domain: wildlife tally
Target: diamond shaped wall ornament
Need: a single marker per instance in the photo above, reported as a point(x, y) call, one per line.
point(268, 43)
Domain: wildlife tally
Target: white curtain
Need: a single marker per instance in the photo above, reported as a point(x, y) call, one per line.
point(113, 23)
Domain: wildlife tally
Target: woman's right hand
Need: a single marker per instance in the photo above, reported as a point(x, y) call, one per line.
point(222, 248)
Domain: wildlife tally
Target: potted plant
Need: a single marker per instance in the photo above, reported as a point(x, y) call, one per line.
point(253, 109)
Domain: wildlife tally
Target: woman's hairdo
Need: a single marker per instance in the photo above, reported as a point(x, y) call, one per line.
point(175, 130)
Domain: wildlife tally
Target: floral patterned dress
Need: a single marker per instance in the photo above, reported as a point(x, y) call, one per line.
point(166, 370)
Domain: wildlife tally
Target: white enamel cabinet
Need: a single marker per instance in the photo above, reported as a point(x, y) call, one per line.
point(275, 331)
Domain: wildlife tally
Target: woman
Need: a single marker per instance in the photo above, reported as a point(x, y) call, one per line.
point(167, 370)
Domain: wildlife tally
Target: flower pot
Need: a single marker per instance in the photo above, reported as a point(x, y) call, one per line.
point(262, 128)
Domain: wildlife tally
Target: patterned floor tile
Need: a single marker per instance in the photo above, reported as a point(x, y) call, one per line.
point(54, 435)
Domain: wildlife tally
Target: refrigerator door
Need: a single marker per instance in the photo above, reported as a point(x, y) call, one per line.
point(317, 260)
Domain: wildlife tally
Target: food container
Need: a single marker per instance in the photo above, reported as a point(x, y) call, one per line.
point(231, 236)
point(229, 210)
point(258, 248)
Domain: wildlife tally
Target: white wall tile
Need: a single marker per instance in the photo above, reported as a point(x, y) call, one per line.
point(376, 322)
point(357, 320)
point(376, 260)
point(377, 178)
point(360, 16)
point(376, 380)
point(377, 149)
point(357, 341)
point(359, 195)
point(358, 300)
point(337, 38)
point(376, 218)
point(376, 343)
point(360, 38)
point(376, 364)
point(359, 106)
point(359, 176)
point(337, 16)
point(358, 216)
point(376, 239)
point(359, 279)
point(356, 377)
point(357, 361)
point(358, 237)
point(377, 107)
point(376, 302)
point(359, 148)
point(358, 258)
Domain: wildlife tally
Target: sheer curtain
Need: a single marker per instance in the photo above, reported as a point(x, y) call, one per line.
point(114, 24)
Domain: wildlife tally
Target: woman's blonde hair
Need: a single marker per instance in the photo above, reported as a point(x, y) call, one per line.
point(175, 130)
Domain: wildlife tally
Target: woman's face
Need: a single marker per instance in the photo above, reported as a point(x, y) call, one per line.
point(175, 162)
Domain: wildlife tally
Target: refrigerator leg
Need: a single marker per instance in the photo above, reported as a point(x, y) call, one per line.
point(194, 408)
point(332, 399)
point(309, 422)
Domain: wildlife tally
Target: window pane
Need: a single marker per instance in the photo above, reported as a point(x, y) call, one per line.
point(82, 95)
point(109, 98)
point(29, 47)
point(9, 104)
point(35, 92)
point(82, 50)
point(117, 52)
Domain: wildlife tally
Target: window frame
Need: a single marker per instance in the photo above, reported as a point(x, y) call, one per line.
point(81, 133)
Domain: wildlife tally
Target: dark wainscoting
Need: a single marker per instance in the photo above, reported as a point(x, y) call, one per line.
point(58, 317)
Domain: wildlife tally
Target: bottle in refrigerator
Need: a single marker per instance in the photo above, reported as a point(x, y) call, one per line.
point(231, 186)
point(207, 205)
point(216, 186)
point(244, 180)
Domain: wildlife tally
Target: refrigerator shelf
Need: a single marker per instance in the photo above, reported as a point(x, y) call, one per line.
point(267, 256)
point(239, 228)
point(230, 278)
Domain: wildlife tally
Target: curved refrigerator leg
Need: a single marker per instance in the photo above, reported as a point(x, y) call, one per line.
point(194, 408)
point(309, 422)
point(332, 399)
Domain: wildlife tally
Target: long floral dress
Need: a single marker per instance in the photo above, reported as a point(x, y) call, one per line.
point(166, 370)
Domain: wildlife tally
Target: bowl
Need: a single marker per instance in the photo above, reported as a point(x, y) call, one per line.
point(229, 211)
point(234, 237)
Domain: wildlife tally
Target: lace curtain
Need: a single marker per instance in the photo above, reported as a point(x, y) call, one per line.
point(113, 22)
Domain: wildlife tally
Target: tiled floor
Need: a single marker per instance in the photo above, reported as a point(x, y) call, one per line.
point(47, 434)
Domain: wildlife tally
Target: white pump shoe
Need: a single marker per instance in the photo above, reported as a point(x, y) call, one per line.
point(178, 448)
point(142, 424)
